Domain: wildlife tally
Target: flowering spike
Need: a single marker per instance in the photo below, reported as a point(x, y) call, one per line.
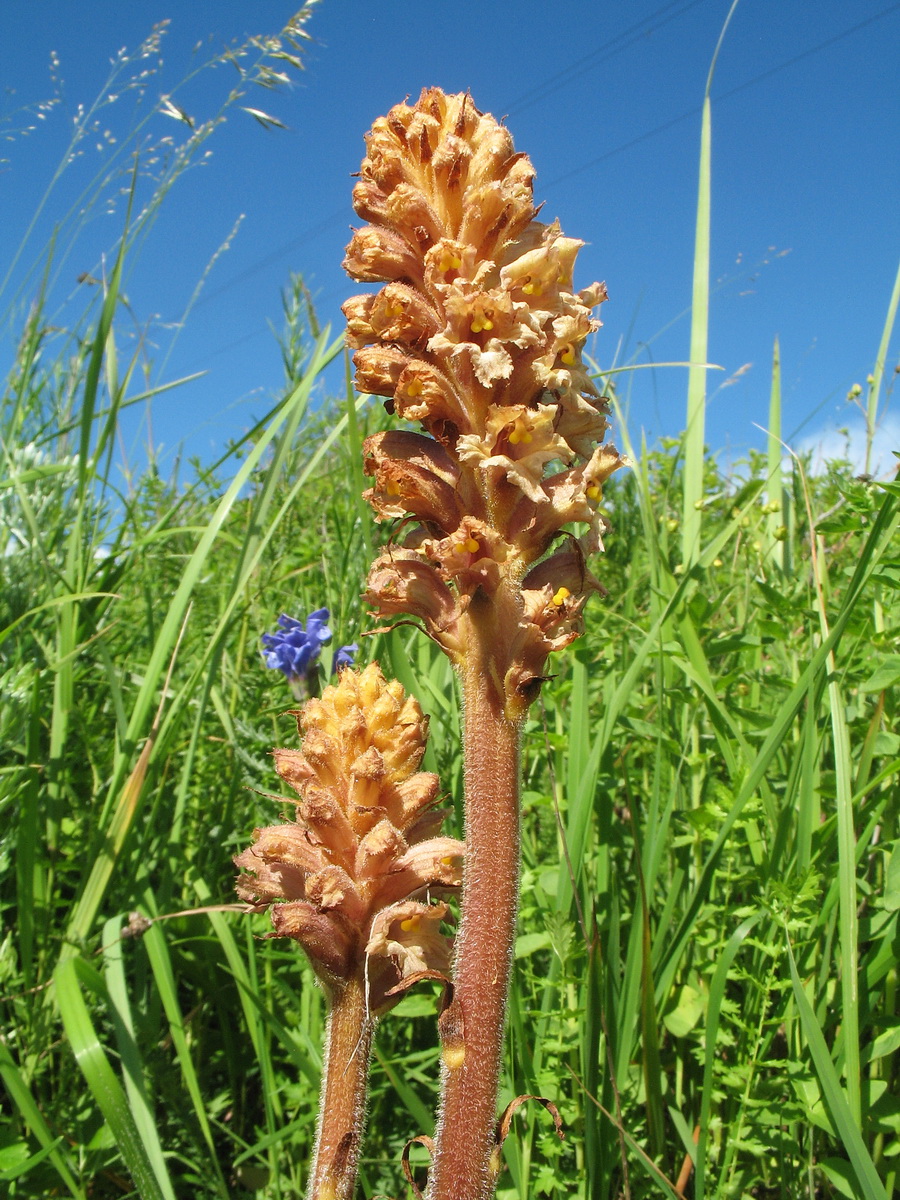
point(360, 845)
point(478, 335)
point(294, 648)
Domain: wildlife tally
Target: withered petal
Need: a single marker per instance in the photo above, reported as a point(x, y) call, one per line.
point(332, 947)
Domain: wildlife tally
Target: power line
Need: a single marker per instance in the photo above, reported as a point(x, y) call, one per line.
point(692, 112)
point(620, 149)
point(580, 66)
point(549, 85)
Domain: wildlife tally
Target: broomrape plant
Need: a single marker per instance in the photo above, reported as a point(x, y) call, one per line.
point(343, 878)
point(477, 335)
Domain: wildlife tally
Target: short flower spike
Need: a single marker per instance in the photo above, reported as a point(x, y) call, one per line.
point(363, 842)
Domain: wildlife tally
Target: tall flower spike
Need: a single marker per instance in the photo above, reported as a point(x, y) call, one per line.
point(477, 334)
point(351, 878)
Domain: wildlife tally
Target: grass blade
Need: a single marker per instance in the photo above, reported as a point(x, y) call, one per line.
point(20, 1094)
point(71, 975)
point(776, 546)
point(878, 371)
point(714, 1008)
point(695, 428)
point(132, 1065)
point(871, 1187)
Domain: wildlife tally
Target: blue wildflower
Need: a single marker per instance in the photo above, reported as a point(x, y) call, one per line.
point(344, 657)
point(295, 649)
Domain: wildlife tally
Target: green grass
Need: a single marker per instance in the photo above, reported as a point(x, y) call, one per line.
point(706, 968)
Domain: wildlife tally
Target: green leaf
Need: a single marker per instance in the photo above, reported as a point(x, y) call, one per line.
point(69, 977)
point(891, 898)
point(689, 1008)
point(884, 676)
point(839, 1172)
point(886, 1043)
point(528, 943)
point(886, 744)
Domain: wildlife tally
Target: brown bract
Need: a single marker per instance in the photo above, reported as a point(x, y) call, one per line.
point(478, 335)
point(348, 875)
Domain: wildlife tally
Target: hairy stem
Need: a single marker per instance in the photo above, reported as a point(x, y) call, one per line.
point(472, 1027)
point(342, 1111)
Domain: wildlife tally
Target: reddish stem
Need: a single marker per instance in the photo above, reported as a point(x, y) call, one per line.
point(472, 1028)
point(342, 1110)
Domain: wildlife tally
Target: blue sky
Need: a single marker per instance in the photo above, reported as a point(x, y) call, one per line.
point(605, 98)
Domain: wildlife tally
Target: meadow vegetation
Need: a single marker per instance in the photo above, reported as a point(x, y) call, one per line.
point(705, 977)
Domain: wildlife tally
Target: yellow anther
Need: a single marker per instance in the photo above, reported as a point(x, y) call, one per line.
point(595, 492)
point(410, 924)
point(568, 355)
point(480, 323)
point(562, 594)
point(414, 388)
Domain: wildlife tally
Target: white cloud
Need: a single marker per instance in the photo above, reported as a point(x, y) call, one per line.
point(847, 442)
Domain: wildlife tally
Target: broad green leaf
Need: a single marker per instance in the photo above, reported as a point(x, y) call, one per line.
point(688, 1009)
point(885, 675)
